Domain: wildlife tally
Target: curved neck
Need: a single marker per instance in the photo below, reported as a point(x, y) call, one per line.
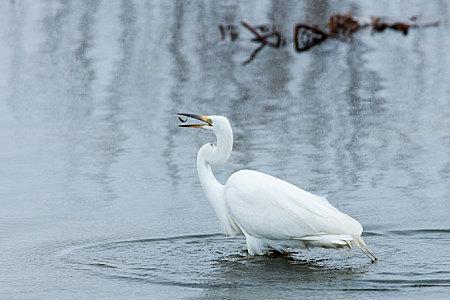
point(211, 187)
point(215, 192)
point(210, 154)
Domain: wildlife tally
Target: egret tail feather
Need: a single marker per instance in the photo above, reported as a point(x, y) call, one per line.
point(336, 241)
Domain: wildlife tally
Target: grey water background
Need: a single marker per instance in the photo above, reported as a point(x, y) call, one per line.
point(99, 196)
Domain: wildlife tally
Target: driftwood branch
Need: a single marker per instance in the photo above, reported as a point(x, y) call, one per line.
point(306, 36)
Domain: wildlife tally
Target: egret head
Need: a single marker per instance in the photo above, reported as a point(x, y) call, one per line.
point(215, 154)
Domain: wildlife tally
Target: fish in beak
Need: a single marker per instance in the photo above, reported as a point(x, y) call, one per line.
point(206, 121)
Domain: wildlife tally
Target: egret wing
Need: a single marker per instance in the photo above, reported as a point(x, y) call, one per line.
point(265, 206)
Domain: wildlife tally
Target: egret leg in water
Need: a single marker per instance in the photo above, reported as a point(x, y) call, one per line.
point(271, 213)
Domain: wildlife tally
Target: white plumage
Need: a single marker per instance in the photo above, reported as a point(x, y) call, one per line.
point(269, 212)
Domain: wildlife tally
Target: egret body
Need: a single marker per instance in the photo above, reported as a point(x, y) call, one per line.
point(269, 212)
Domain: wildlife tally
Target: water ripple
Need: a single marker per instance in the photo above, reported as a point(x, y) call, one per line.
point(215, 261)
point(197, 261)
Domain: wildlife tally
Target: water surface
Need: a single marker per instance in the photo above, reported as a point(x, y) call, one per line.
point(98, 188)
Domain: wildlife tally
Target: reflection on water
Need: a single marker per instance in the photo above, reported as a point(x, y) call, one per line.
point(93, 163)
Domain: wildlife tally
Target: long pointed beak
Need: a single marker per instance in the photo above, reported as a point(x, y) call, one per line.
point(206, 121)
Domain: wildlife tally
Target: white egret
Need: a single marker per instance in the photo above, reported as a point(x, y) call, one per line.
point(269, 212)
